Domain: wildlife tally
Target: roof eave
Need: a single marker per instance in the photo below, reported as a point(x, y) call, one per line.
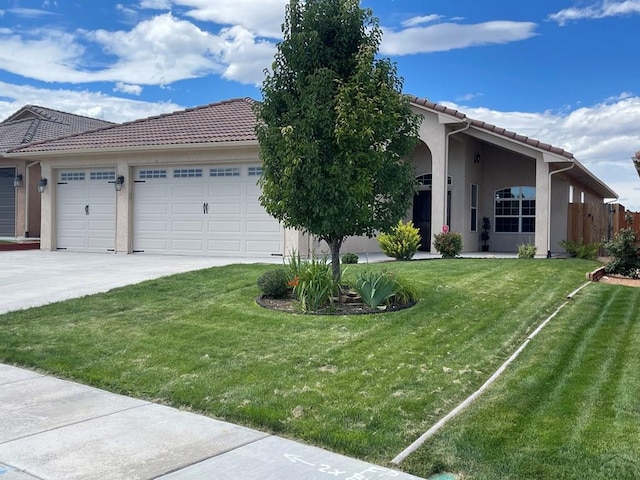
point(129, 149)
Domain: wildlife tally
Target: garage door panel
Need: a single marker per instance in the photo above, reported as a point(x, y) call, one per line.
point(262, 227)
point(193, 245)
point(215, 213)
point(225, 209)
point(188, 208)
point(187, 226)
point(222, 226)
point(86, 210)
point(224, 246)
point(222, 191)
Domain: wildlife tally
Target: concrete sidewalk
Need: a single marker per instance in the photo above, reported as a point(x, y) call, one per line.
point(53, 429)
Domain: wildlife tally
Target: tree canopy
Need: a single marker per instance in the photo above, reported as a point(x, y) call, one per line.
point(334, 127)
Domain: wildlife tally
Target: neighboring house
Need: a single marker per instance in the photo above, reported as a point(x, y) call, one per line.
point(19, 198)
point(188, 186)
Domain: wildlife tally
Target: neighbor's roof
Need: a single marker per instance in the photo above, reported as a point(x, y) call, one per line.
point(227, 121)
point(33, 123)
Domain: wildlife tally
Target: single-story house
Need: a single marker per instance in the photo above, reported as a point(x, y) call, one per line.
point(19, 197)
point(185, 183)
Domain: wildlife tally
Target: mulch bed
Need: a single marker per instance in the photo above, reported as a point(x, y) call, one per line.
point(291, 305)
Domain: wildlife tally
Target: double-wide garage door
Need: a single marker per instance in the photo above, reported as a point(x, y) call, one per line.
point(202, 210)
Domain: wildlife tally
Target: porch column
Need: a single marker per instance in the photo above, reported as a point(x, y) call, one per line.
point(47, 230)
point(543, 204)
point(435, 140)
point(124, 242)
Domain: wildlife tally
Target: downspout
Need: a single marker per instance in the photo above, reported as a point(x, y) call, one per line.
point(26, 198)
point(446, 166)
point(549, 205)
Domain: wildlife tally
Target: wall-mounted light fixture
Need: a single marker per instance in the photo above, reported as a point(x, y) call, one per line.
point(476, 159)
point(118, 183)
point(42, 185)
point(17, 180)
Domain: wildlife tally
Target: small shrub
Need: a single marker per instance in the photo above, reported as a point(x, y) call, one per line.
point(349, 258)
point(378, 288)
point(402, 242)
point(375, 288)
point(448, 244)
point(588, 251)
point(314, 286)
point(527, 250)
point(624, 250)
point(274, 283)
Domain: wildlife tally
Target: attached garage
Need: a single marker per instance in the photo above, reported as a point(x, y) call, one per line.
point(202, 210)
point(86, 210)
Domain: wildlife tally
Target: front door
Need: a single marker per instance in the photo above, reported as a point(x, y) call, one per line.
point(422, 218)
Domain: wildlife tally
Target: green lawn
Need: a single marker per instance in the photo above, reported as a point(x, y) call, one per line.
point(366, 386)
point(569, 409)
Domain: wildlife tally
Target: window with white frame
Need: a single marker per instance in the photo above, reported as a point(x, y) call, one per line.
point(515, 210)
point(474, 207)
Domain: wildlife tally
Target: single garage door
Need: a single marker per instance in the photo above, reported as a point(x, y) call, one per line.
point(202, 210)
point(7, 202)
point(86, 210)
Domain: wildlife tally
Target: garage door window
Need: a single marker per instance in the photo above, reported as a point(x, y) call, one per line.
point(102, 175)
point(145, 174)
point(224, 172)
point(71, 176)
point(188, 173)
point(255, 171)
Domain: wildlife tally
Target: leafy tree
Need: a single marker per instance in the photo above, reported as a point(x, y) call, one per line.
point(334, 127)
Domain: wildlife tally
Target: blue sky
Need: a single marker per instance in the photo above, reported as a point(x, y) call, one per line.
point(562, 71)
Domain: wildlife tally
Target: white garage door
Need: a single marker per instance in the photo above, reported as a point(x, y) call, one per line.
point(86, 210)
point(202, 210)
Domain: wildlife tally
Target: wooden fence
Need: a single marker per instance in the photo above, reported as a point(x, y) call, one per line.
point(597, 222)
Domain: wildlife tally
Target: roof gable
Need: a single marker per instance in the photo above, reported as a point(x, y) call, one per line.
point(33, 123)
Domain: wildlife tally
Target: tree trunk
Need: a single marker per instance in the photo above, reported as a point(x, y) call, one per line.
point(334, 245)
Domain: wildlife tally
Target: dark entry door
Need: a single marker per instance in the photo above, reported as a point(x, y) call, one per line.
point(7, 202)
point(422, 218)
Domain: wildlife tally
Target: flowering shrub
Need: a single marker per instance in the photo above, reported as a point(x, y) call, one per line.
point(448, 244)
point(402, 242)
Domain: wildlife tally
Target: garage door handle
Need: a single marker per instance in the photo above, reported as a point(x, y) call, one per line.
point(205, 208)
point(86, 209)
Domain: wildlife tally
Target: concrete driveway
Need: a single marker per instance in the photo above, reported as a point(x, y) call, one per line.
point(29, 278)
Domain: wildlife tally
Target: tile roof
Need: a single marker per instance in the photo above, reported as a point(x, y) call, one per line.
point(491, 128)
point(33, 123)
point(227, 121)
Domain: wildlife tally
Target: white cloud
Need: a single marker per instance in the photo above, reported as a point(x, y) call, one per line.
point(127, 88)
point(158, 51)
point(92, 104)
point(449, 36)
point(415, 21)
point(29, 12)
point(603, 137)
point(607, 8)
point(156, 4)
point(467, 97)
point(264, 17)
